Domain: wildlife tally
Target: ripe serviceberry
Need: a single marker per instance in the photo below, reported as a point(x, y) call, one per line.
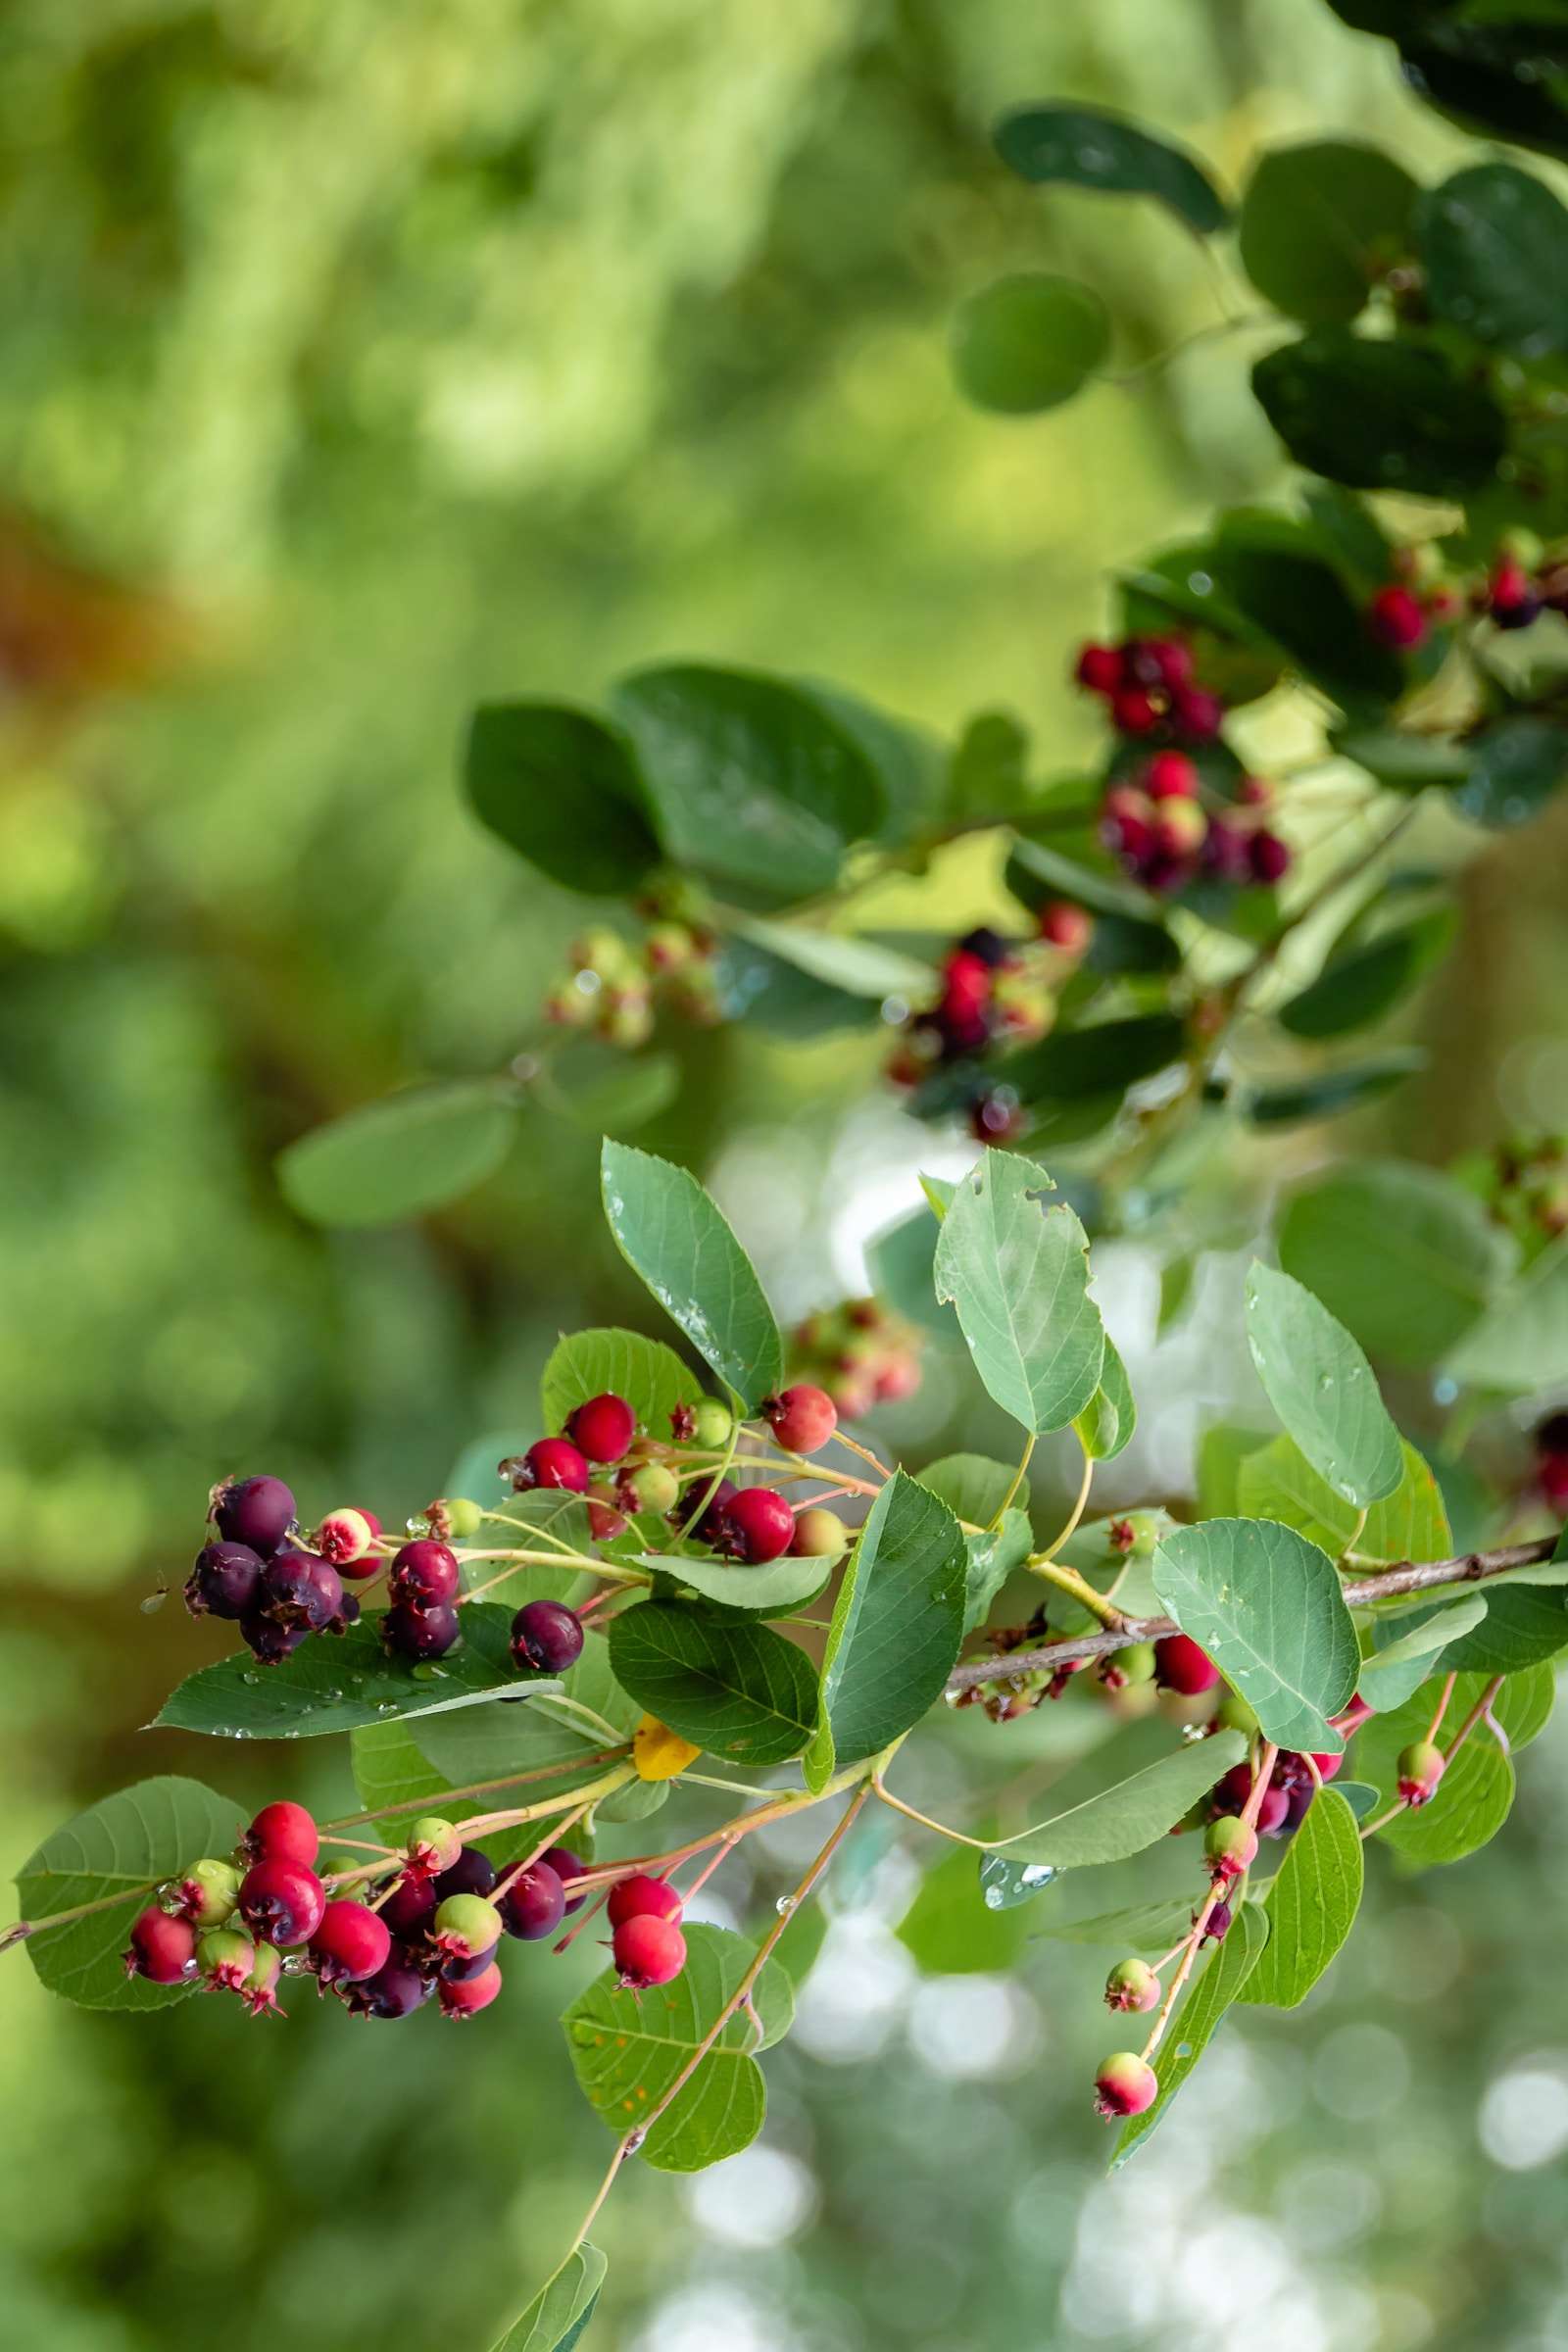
point(1196, 715)
point(351, 1941)
point(1420, 1769)
point(603, 1428)
point(300, 1588)
point(282, 1833)
point(1132, 1984)
point(1171, 777)
point(411, 1906)
point(224, 1959)
point(649, 1487)
point(711, 1519)
point(1099, 669)
point(1230, 1845)
point(271, 1643)
point(421, 1634)
point(282, 1902)
point(464, 1926)
point(473, 1873)
point(160, 1949)
point(1066, 926)
point(206, 1894)
point(819, 1533)
point(802, 1418)
point(1179, 1665)
point(224, 1581)
point(554, 1462)
point(259, 1991)
point(534, 1905)
point(547, 1637)
point(395, 1990)
point(347, 1538)
point(1125, 2084)
point(648, 1952)
point(1396, 619)
point(1512, 599)
point(424, 1575)
point(466, 1997)
point(1220, 1919)
point(642, 1898)
point(1269, 857)
point(1134, 712)
point(258, 1512)
point(567, 1866)
point(758, 1525)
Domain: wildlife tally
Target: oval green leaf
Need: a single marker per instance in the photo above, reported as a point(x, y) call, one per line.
point(1380, 415)
point(1311, 1905)
point(1087, 148)
point(650, 1375)
point(1132, 1814)
point(738, 1689)
point(1493, 242)
point(1015, 1266)
point(1029, 342)
point(1267, 1607)
point(558, 2315)
point(561, 788)
point(1320, 222)
point(1321, 1385)
point(673, 1236)
point(1406, 1258)
point(400, 1157)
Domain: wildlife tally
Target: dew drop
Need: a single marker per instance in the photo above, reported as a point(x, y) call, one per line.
point(251, 1679)
point(786, 1904)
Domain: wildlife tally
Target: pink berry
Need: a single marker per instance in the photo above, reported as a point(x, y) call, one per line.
point(802, 1417)
point(553, 1462)
point(758, 1525)
point(1066, 926)
point(1099, 669)
point(345, 1538)
point(461, 1998)
point(1170, 776)
point(648, 1952)
point(351, 1941)
point(1133, 712)
point(642, 1898)
point(1231, 1846)
point(1132, 1984)
point(602, 1429)
point(1397, 618)
point(1179, 1665)
point(1125, 2084)
point(162, 1949)
point(282, 1833)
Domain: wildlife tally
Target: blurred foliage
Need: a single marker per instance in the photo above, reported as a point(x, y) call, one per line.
point(359, 364)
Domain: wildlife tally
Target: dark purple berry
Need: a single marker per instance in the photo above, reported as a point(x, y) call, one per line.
point(420, 1633)
point(462, 1970)
point(425, 1575)
point(567, 1866)
point(258, 1512)
point(546, 1638)
point(533, 1905)
point(224, 1581)
point(395, 1990)
point(411, 1906)
point(711, 1523)
point(300, 1588)
point(273, 1642)
point(473, 1873)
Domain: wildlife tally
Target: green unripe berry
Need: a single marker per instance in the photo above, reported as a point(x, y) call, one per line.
point(208, 1893)
point(1420, 1769)
point(819, 1533)
point(464, 1518)
point(713, 1421)
point(1132, 1984)
point(1233, 1714)
point(1145, 1533)
point(259, 1991)
point(1137, 1662)
point(225, 1958)
point(650, 1487)
point(1231, 1846)
point(464, 1926)
point(433, 1846)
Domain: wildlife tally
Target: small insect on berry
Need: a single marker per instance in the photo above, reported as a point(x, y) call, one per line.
point(351, 1941)
point(1126, 2085)
point(282, 1902)
point(802, 1418)
point(345, 1538)
point(642, 1898)
point(224, 1959)
point(421, 1634)
point(282, 1833)
point(758, 1525)
point(547, 1637)
point(603, 1428)
point(466, 1925)
point(534, 1905)
point(1420, 1769)
point(469, 1996)
point(1230, 1845)
point(554, 1462)
point(1132, 1984)
point(424, 1575)
point(224, 1582)
point(648, 1952)
point(258, 1512)
point(160, 1949)
point(206, 1894)
point(1181, 1666)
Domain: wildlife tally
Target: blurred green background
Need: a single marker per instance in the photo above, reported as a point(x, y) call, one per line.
point(362, 360)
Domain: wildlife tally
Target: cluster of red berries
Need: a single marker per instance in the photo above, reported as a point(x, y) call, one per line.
point(993, 992)
point(612, 987)
point(431, 1927)
point(1517, 586)
point(1150, 689)
point(859, 1353)
point(264, 1575)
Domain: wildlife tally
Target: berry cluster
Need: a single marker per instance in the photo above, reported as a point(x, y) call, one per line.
point(276, 1586)
point(1168, 822)
point(431, 1926)
point(994, 992)
point(859, 1353)
point(612, 986)
point(1520, 582)
point(1524, 1184)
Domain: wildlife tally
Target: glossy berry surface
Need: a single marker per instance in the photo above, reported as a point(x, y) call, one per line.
point(351, 1941)
point(547, 1637)
point(224, 1958)
point(301, 1588)
point(411, 1906)
point(395, 1990)
point(464, 1925)
point(208, 1893)
point(282, 1902)
point(258, 1512)
point(1181, 1666)
point(467, 1996)
point(224, 1581)
point(567, 1866)
point(819, 1533)
point(282, 1833)
point(758, 1525)
point(554, 1462)
point(802, 1417)
point(603, 1428)
point(271, 1643)
point(420, 1633)
point(642, 1898)
point(648, 1952)
point(533, 1905)
point(472, 1873)
point(424, 1575)
point(160, 1949)
point(1126, 2085)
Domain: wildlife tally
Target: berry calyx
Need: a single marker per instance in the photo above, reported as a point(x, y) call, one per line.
point(642, 1898)
point(431, 1847)
point(464, 1517)
point(224, 1581)
point(802, 1417)
point(659, 1754)
point(345, 1538)
point(160, 1949)
point(282, 1833)
point(282, 1902)
point(1230, 1845)
point(650, 1486)
point(1125, 2084)
point(206, 1894)
point(469, 1996)
point(1132, 1984)
point(819, 1533)
point(603, 1428)
point(420, 1633)
point(758, 1525)
point(301, 1588)
point(424, 1575)
point(351, 1941)
point(534, 1905)
point(1420, 1769)
point(648, 1952)
point(554, 1462)
point(567, 1866)
point(224, 1959)
point(258, 1512)
point(259, 1993)
point(547, 1637)
point(464, 1926)
point(1181, 1666)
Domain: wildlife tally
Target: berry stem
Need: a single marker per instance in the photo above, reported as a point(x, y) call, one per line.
point(794, 1800)
point(1018, 1476)
point(1443, 1698)
point(509, 1779)
point(481, 1825)
point(1482, 1709)
point(551, 1837)
point(1262, 1774)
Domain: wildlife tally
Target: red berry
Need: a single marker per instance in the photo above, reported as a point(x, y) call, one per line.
point(1328, 1766)
point(162, 1949)
point(567, 1866)
point(1179, 1665)
point(1172, 659)
point(1196, 715)
point(1511, 598)
point(224, 1582)
point(1099, 668)
point(258, 1512)
point(424, 1575)
point(347, 1539)
point(421, 1634)
point(802, 1417)
point(1133, 712)
point(1066, 926)
point(1170, 776)
point(1270, 858)
point(351, 1941)
point(282, 1833)
point(648, 1952)
point(553, 1462)
point(533, 1905)
point(602, 1429)
point(546, 1638)
point(605, 1519)
point(642, 1898)
point(758, 1525)
point(467, 1996)
point(282, 1902)
point(1397, 618)
point(1125, 2084)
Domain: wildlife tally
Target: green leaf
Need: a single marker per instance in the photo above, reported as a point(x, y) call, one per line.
point(1321, 1385)
point(951, 1928)
point(738, 1689)
point(1220, 1984)
point(994, 1557)
point(896, 1629)
point(123, 1847)
point(1221, 1450)
point(1017, 1268)
point(987, 775)
point(402, 1157)
point(1403, 1659)
point(860, 968)
point(1311, 1905)
point(900, 1260)
point(1380, 415)
point(1140, 1928)
point(909, 762)
point(1029, 342)
point(627, 2049)
point(563, 790)
point(337, 1684)
point(1075, 1065)
point(974, 1489)
point(1497, 66)
point(1331, 1091)
point(1520, 1344)
point(1037, 873)
point(753, 783)
point(1275, 570)
point(606, 1100)
point(1476, 1794)
point(1493, 243)
point(558, 2315)
point(1406, 1258)
point(1522, 1626)
point(1516, 765)
point(768, 1590)
point(1401, 759)
point(971, 1485)
point(1365, 978)
point(672, 1235)
point(480, 1743)
point(591, 1363)
point(778, 998)
point(1320, 222)
point(1107, 1423)
point(1266, 1606)
point(1278, 1481)
point(1088, 148)
point(1130, 1815)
